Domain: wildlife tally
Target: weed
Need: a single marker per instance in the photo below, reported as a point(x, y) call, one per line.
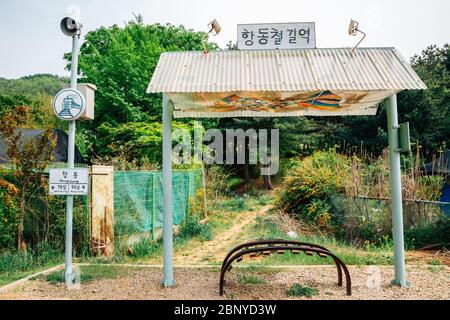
point(297, 290)
point(194, 228)
point(235, 204)
point(250, 279)
point(258, 268)
point(145, 248)
point(263, 200)
point(435, 262)
point(57, 277)
point(91, 273)
point(207, 257)
point(54, 277)
point(230, 295)
point(436, 268)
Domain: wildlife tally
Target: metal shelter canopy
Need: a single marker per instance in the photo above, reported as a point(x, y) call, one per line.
point(278, 83)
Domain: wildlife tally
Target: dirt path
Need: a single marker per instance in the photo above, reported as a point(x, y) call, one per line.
point(197, 253)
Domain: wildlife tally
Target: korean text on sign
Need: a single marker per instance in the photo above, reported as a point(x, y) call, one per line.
point(69, 181)
point(277, 36)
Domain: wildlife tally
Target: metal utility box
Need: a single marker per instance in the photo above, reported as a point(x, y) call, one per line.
point(88, 91)
point(404, 140)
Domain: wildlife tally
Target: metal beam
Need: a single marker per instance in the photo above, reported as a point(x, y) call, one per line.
point(396, 193)
point(168, 280)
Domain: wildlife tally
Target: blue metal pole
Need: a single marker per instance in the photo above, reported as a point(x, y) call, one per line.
point(168, 280)
point(396, 193)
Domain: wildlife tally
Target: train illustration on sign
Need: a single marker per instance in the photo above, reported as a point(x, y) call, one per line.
point(69, 104)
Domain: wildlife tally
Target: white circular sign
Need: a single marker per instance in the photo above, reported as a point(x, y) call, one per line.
point(69, 104)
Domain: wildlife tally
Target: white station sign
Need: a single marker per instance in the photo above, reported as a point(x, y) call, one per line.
point(297, 35)
point(69, 182)
point(69, 104)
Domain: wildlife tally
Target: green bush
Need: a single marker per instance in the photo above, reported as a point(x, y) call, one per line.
point(194, 228)
point(8, 225)
point(316, 178)
point(297, 290)
point(145, 248)
point(434, 232)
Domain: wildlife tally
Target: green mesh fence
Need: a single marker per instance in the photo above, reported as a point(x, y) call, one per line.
point(138, 199)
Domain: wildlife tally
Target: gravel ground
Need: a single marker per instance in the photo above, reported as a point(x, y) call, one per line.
point(202, 284)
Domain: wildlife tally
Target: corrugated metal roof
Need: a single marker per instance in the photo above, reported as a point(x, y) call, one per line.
point(284, 70)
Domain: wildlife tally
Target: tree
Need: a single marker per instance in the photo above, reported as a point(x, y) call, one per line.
point(428, 111)
point(29, 160)
point(36, 92)
point(137, 143)
point(120, 62)
point(298, 136)
point(30, 86)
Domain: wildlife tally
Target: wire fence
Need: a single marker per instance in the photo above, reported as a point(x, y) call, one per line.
point(371, 218)
point(138, 204)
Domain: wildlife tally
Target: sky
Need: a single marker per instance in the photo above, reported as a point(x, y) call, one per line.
point(31, 41)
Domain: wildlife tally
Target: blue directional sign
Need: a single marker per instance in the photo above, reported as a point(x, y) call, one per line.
point(69, 104)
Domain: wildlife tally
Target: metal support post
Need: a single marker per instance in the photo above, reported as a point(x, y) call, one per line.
point(68, 270)
point(168, 280)
point(396, 193)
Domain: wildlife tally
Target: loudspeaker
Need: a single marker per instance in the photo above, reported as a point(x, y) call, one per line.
point(70, 26)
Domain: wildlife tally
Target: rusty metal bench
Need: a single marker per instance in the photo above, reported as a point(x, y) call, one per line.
point(266, 247)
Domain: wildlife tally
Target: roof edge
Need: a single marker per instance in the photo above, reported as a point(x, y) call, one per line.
point(300, 49)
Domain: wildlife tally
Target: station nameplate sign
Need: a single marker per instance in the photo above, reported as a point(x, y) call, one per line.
point(298, 35)
point(69, 182)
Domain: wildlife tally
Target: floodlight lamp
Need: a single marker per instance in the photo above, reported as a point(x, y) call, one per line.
point(215, 27)
point(353, 28)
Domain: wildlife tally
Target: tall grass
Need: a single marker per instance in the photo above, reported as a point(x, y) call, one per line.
point(20, 261)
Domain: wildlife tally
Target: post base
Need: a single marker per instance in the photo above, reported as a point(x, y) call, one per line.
point(69, 278)
point(400, 284)
point(168, 283)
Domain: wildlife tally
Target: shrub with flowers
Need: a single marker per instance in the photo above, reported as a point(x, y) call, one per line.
point(307, 190)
